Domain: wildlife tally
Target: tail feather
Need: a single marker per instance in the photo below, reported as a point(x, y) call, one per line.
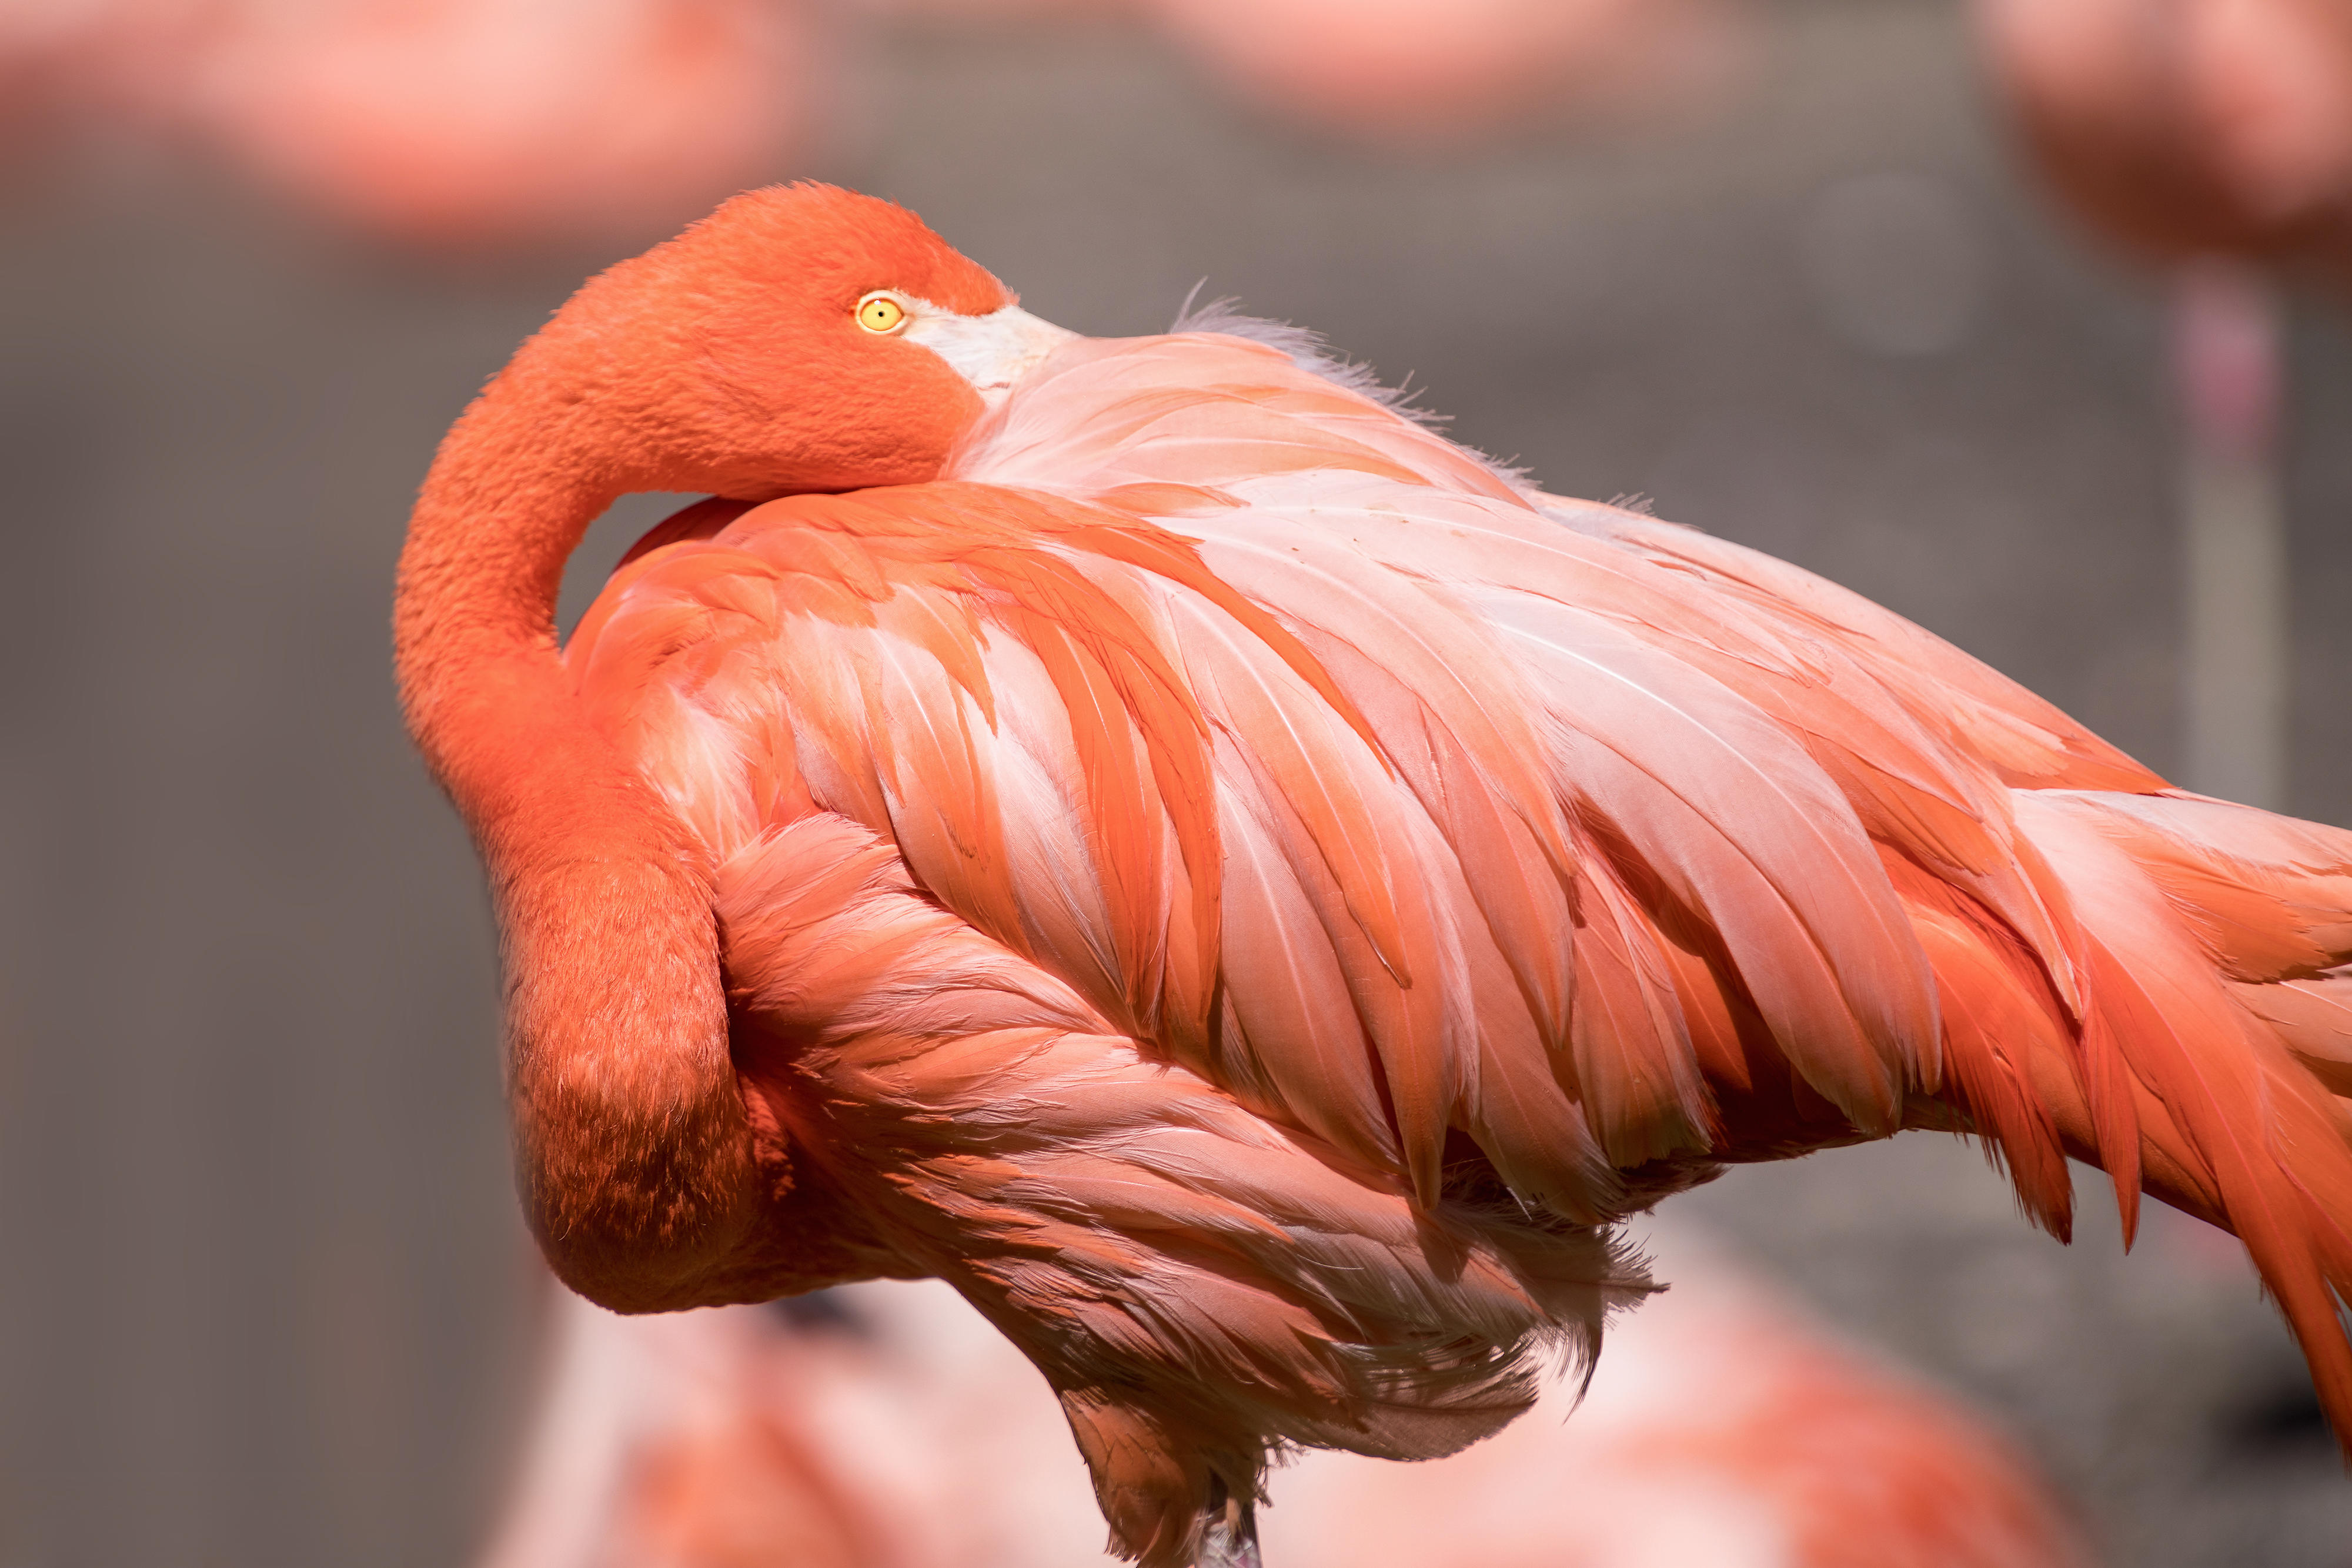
point(2006, 1044)
point(2214, 1040)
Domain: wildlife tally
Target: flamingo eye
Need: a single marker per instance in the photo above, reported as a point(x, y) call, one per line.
point(881, 313)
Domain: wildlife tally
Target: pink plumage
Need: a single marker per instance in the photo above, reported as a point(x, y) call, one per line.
point(1248, 892)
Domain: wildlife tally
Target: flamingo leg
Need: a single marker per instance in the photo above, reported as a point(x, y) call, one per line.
point(1230, 1539)
point(2229, 380)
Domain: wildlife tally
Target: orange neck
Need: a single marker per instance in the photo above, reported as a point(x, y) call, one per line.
point(634, 1153)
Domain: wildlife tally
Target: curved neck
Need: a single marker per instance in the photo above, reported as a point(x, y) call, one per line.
point(633, 1149)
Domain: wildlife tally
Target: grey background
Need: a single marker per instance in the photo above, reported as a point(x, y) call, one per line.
point(265, 1300)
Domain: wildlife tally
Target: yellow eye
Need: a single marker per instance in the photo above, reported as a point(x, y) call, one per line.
point(880, 313)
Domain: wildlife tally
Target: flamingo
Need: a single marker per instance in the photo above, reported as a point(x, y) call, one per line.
point(472, 123)
point(1250, 893)
point(1431, 70)
point(2214, 137)
point(2191, 127)
point(886, 1424)
point(874, 1425)
point(1406, 71)
point(449, 124)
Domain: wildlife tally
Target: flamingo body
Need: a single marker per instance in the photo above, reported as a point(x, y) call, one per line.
point(1247, 892)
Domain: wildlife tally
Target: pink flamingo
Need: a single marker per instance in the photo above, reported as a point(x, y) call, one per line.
point(448, 123)
point(65, 65)
point(886, 1424)
point(1427, 71)
point(2191, 127)
point(471, 122)
point(878, 1425)
point(1407, 69)
point(2215, 136)
point(1249, 892)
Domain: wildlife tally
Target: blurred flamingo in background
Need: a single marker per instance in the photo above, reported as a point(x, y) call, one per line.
point(463, 124)
point(72, 66)
point(480, 121)
point(2214, 136)
point(476, 124)
point(2191, 127)
point(1248, 892)
point(886, 1426)
point(1445, 69)
point(1426, 70)
point(879, 1425)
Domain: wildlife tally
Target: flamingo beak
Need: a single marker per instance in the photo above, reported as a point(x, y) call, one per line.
point(991, 352)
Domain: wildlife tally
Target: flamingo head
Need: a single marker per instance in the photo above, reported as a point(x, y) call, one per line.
point(801, 338)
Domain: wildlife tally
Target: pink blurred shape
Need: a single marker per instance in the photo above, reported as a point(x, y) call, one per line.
point(477, 123)
point(898, 1430)
point(1418, 69)
point(71, 65)
point(2189, 126)
point(464, 123)
point(489, 124)
point(1721, 1428)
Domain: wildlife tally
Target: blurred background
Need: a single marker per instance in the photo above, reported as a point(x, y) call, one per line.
point(1797, 271)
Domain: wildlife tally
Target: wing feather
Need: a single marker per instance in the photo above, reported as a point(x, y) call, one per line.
point(1741, 823)
point(1977, 710)
point(2229, 1083)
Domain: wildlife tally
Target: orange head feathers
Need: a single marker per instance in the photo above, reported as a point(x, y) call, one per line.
point(738, 346)
point(730, 359)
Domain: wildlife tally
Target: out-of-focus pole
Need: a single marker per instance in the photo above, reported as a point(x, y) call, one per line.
point(2226, 364)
